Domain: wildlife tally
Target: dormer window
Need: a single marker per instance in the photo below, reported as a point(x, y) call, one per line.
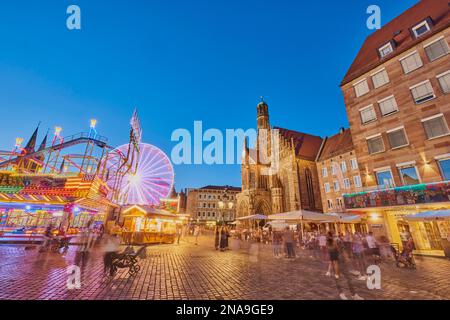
point(421, 29)
point(386, 50)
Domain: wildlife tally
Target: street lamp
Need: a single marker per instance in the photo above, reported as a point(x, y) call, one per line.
point(225, 204)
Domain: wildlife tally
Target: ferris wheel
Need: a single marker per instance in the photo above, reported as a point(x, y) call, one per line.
point(150, 180)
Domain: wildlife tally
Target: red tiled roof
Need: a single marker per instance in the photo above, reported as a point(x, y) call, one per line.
point(338, 144)
point(306, 146)
point(231, 188)
point(368, 58)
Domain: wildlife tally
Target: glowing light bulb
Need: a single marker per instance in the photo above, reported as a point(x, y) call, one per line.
point(93, 123)
point(19, 142)
point(57, 131)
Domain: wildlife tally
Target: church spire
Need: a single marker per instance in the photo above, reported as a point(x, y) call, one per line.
point(31, 144)
point(44, 142)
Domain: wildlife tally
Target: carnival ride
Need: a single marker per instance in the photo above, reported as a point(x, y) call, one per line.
point(82, 154)
point(149, 182)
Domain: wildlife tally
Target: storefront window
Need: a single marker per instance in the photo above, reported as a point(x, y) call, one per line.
point(409, 176)
point(384, 179)
point(444, 165)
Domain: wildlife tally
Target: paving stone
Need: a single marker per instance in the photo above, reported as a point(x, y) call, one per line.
point(190, 272)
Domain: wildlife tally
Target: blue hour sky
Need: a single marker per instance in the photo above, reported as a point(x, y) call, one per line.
point(178, 61)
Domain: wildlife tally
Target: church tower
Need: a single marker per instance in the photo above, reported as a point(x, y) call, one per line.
point(263, 115)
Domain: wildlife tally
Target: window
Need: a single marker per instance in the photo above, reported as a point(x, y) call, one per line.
point(330, 204)
point(347, 183)
point(421, 29)
point(357, 181)
point(436, 49)
point(397, 138)
point(375, 144)
point(386, 50)
point(213, 214)
point(380, 78)
point(444, 81)
point(336, 186)
point(343, 166)
point(409, 175)
point(324, 172)
point(339, 202)
point(444, 166)
point(353, 164)
point(388, 105)
point(361, 88)
point(422, 92)
point(435, 126)
point(411, 62)
point(384, 178)
point(368, 114)
point(327, 187)
point(333, 169)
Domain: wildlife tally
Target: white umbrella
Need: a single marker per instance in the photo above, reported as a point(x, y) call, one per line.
point(253, 217)
point(304, 215)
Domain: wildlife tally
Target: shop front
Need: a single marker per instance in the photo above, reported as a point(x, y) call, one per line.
point(395, 213)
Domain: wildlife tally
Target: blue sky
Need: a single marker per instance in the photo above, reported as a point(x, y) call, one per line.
point(178, 61)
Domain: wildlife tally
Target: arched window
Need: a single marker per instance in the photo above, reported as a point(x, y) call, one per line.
point(310, 188)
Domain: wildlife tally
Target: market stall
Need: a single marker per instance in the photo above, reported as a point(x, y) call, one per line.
point(146, 225)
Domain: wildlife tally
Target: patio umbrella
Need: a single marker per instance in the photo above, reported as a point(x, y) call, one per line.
point(253, 217)
point(304, 215)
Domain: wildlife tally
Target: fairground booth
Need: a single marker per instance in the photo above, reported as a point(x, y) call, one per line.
point(30, 202)
point(148, 225)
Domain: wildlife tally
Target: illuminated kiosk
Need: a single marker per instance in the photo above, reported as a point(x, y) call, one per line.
point(148, 224)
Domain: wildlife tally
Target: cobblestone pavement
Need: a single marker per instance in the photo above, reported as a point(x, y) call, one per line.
point(188, 271)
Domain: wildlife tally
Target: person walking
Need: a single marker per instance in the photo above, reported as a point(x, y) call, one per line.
point(111, 248)
point(323, 246)
point(372, 247)
point(288, 238)
point(196, 233)
point(358, 256)
point(348, 244)
point(223, 239)
point(179, 233)
point(343, 270)
point(276, 243)
point(217, 238)
point(333, 253)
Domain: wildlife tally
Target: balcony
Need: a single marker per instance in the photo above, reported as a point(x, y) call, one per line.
point(399, 196)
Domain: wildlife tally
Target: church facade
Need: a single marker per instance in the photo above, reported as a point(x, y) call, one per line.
point(295, 183)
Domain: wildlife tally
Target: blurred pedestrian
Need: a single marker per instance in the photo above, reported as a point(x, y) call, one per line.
point(358, 256)
point(333, 253)
point(288, 238)
point(196, 234)
point(217, 238)
point(323, 246)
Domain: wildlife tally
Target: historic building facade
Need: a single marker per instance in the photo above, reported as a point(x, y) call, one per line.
point(397, 100)
point(212, 204)
point(295, 182)
point(338, 170)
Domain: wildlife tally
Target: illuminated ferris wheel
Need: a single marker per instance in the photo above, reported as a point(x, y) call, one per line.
point(151, 178)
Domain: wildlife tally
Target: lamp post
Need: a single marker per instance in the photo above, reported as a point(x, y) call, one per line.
point(225, 205)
